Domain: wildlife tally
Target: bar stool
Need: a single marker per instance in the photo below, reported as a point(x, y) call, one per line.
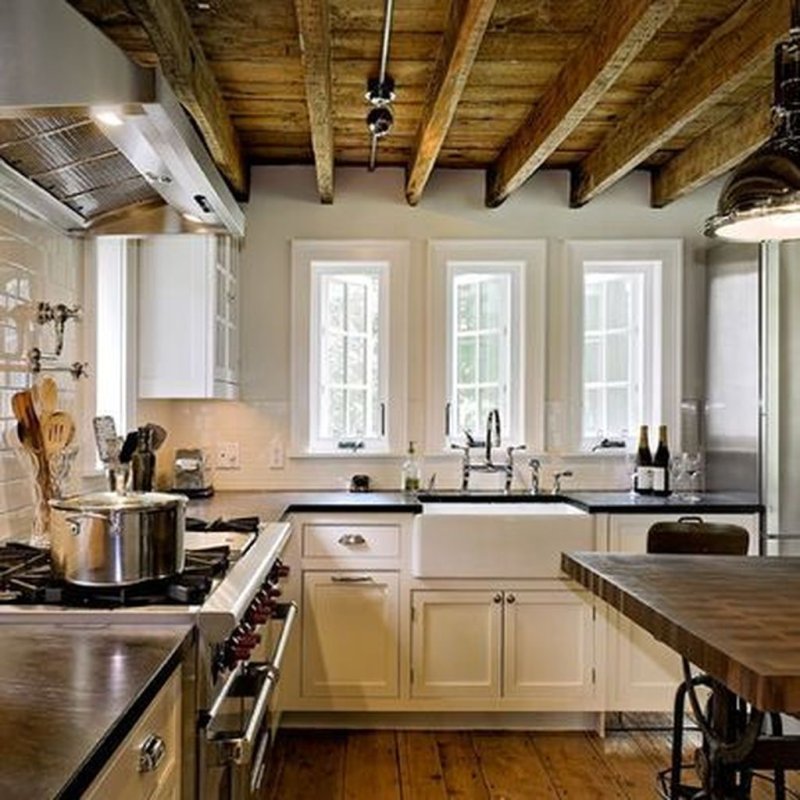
point(693, 536)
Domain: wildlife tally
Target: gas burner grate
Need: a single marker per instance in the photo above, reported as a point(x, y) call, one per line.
point(237, 524)
point(26, 578)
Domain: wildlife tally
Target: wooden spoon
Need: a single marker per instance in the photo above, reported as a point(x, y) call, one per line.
point(58, 431)
point(46, 395)
point(30, 432)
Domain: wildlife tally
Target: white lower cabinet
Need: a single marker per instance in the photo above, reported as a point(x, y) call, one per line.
point(350, 644)
point(147, 765)
point(548, 648)
point(456, 643)
point(535, 645)
point(643, 673)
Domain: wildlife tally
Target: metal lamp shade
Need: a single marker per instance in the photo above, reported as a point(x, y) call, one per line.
point(761, 199)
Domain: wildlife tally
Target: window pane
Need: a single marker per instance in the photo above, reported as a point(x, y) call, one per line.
point(592, 412)
point(356, 307)
point(591, 306)
point(357, 412)
point(617, 357)
point(492, 303)
point(465, 365)
point(336, 414)
point(334, 358)
point(593, 360)
point(618, 299)
point(489, 399)
point(467, 410)
point(466, 306)
point(356, 360)
point(335, 299)
point(618, 411)
point(489, 364)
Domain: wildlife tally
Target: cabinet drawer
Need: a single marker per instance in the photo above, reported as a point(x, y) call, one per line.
point(122, 777)
point(351, 541)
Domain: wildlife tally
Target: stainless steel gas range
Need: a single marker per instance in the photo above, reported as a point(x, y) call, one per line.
point(230, 591)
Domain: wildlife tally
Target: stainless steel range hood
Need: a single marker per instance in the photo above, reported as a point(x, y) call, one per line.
point(53, 61)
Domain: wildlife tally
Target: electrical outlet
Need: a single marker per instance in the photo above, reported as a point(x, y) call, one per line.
point(276, 454)
point(228, 455)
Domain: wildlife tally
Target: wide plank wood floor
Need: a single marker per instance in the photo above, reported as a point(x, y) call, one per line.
point(473, 765)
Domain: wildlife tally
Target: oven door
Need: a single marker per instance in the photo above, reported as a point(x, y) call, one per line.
point(240, 726)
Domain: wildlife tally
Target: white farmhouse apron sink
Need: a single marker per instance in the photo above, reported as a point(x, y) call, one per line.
point(497, 540)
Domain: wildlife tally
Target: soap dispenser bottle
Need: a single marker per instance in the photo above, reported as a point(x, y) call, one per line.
point(412, 471)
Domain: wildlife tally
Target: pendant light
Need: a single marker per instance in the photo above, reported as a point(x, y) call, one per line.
point(761, 199)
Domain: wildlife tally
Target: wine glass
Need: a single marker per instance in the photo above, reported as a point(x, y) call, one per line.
point(694, 471)
point(630, 472)
point(678, 475)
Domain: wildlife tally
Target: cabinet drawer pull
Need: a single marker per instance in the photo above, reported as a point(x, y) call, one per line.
point(511, 598)
point(498, 598)
point(351, 539)
point(151, 753)
point(353, 579)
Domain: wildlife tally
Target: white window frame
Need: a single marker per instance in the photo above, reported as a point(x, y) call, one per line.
point(389, 260)
point(660, 261)
point(114, 312)
point(526, 262)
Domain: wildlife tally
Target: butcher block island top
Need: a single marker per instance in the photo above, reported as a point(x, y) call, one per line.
point(736, 618)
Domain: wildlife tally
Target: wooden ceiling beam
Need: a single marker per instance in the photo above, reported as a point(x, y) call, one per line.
point(715, 152)
point(466, 24)
point(313, 22)
point(187, 71)
point(742, 44)
point(622, 29)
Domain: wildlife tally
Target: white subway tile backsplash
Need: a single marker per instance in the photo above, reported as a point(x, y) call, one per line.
point(36, 263)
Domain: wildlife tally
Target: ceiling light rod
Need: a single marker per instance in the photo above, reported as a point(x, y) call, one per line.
point(387, 32)
point(761, 199)
point(380, 92)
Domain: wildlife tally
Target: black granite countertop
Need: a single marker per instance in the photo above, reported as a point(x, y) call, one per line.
point(70, 694)
point(271, 506)
point(627, 503)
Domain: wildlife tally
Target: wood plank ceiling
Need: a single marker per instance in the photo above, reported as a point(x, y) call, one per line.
point(678, 87)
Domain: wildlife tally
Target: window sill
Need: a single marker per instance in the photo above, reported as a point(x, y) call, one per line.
point(336, 455)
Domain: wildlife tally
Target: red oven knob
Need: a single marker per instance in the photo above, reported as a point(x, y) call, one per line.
point(250, 640)
point(280, 570)
point(233, 655)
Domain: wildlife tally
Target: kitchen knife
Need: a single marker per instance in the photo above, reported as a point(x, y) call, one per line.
point(128, 447)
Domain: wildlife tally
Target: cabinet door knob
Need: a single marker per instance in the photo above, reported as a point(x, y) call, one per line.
point(511, 598)
point(351, 539)
point(498, 598)
point(151, 753)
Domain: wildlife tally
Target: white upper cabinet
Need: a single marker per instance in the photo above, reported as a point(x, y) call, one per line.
point(189, 317)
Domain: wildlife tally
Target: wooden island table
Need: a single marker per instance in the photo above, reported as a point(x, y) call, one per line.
point(737, 619)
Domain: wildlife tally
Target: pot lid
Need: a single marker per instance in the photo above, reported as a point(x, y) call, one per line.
point(112, 501)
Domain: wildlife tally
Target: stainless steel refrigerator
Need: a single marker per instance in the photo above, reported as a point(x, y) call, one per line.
point(752, 382)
